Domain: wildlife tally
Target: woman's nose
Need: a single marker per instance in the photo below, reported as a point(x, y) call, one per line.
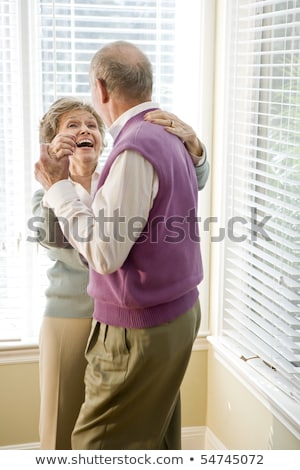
point(84, 129)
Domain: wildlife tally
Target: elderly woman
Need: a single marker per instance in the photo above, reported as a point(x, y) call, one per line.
point(70, 123)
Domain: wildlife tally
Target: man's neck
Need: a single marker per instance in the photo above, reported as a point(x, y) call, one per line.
point(117, 107)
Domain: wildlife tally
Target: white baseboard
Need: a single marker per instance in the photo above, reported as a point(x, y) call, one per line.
point(26, 446)
point(212, 442)
point(193, 438)
point(200, 438)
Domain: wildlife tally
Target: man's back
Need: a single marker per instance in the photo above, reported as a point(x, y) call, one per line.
point(164, 266)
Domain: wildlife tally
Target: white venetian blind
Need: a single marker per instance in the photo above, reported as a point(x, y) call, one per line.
point(11, 174)
point(262, 253)
point(70, 32)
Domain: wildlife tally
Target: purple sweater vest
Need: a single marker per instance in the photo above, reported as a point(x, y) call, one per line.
point(158, 281)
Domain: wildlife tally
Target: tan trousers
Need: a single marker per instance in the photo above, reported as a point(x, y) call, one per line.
point(132, 382)
point(62, 367)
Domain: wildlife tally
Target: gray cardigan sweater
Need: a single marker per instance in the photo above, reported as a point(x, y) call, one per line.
point(66, 294)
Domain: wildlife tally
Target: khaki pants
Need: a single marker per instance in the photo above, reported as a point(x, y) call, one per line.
point(62, 367)
point(133, 379)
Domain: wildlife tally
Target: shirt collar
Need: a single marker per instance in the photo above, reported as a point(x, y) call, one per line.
point(115, 128)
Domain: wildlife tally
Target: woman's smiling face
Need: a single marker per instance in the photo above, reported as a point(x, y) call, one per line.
point(83, 126)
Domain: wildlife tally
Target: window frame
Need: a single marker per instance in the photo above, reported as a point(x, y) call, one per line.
point(285, 410)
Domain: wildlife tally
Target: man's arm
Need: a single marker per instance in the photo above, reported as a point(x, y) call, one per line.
point(105, 233)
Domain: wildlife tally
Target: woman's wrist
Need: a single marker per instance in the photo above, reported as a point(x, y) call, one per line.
point(195, 149)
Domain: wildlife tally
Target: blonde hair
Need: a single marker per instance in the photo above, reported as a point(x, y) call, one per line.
point(50, 122)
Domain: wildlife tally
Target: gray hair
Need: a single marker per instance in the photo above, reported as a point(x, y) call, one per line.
point(50, 122)
point(124, 69)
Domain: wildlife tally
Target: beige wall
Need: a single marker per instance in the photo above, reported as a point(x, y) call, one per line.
point(19, 399)
point(19, 403)
point(193, 391)
point(237, 418)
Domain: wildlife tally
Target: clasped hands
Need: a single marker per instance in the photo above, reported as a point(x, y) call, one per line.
point(53, 164)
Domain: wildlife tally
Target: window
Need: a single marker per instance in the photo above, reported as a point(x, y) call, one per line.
point(45, 49)
point(261, 253)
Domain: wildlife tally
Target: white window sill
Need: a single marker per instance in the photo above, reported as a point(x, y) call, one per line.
point(284, 408)
point(15, 352)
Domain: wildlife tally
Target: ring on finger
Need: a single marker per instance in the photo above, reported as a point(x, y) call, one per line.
point(171, 123)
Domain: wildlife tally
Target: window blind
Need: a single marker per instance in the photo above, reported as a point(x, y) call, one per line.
point(71, 31)
point(261, 297)
point(11, 169)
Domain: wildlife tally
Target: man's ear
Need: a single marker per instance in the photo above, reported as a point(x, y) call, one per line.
point(101, 86)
